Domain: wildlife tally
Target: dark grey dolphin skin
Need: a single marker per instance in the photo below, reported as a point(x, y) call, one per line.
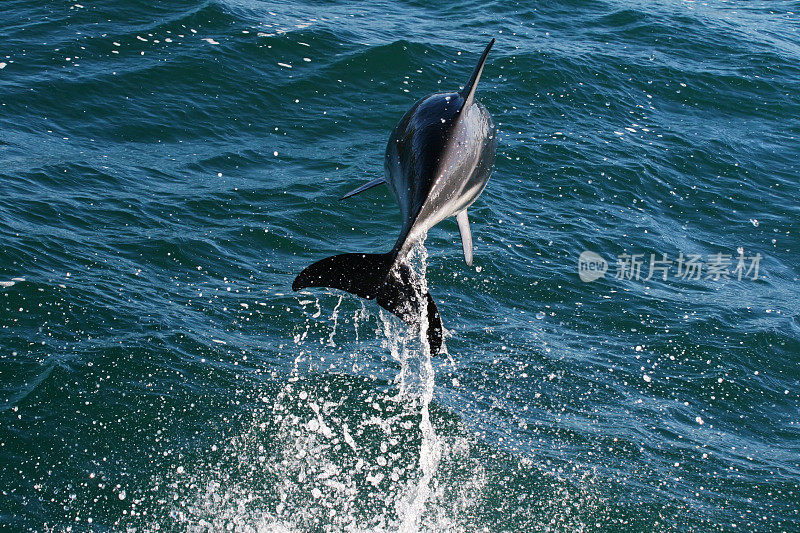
point(438, 160)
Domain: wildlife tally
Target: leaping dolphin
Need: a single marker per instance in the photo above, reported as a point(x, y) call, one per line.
point(438, 160)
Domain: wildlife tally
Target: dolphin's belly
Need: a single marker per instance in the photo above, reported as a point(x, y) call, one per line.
point(438, 162)
point(463, 171)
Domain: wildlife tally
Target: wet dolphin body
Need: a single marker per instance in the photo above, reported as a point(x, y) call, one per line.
point(438, 160)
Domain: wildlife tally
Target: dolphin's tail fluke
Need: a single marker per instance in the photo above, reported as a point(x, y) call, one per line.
point(376, 277)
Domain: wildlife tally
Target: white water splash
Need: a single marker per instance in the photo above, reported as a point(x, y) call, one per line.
point(335, 319)
point(360, 316)
point(417, 382)
point(335, 452)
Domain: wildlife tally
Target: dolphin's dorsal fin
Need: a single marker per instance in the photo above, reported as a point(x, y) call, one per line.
point(362, 188)
point(466, 236)
point(468, 92)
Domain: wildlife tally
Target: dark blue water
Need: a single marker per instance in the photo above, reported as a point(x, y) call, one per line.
point(169, 167)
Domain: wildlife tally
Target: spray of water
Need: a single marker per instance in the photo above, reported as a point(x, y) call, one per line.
point(328, 451)
point(335, 320)
point(416, 385)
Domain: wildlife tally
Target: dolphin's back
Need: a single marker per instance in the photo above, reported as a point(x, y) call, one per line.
point(415, 149)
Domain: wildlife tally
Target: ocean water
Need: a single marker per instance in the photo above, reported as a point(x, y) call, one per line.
point(168, 167)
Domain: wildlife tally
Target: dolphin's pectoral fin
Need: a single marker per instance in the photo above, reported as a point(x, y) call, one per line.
point(466, 236)
point(362, 188)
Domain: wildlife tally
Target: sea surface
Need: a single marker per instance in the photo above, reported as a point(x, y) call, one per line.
point(168, 167)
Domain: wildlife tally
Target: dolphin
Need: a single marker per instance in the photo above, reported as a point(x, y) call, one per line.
point(437, 162)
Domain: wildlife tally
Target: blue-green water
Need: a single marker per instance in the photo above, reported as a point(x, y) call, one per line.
point(168, 167)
